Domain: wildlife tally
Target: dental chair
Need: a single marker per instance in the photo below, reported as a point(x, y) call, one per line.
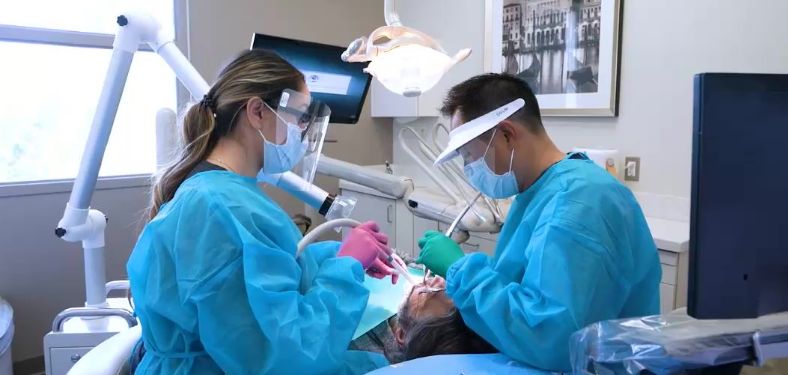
point(111, 357)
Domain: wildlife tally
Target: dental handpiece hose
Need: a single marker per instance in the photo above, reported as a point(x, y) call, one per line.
point(454, 224)
point(459, 217)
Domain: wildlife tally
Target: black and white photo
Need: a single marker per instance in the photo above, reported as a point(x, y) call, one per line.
point(566, 50)
point(552, 44)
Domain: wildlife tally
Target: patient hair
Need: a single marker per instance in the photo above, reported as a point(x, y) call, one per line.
point(254, 73)
point(445, 334)
point(481, 94)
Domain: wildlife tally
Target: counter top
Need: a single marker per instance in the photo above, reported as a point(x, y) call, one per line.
point(669, 235)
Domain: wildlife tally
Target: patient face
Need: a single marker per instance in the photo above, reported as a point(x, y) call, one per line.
point(424, 303)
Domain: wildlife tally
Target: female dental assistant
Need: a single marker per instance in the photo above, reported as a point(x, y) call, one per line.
point(574, 249)
point(215, 280)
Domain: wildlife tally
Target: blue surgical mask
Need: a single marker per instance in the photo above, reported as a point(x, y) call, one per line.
point(487, 182)
point(282, 158)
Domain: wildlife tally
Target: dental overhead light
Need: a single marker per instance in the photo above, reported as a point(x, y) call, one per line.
point(406, 61)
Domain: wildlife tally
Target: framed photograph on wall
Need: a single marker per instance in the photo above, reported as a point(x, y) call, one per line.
point(567, 50)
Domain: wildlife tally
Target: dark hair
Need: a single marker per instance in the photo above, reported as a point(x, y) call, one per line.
point(254, 73)
point(481, 94)
point(445, 334)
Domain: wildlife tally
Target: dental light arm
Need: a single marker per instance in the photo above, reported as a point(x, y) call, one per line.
point(391, 16)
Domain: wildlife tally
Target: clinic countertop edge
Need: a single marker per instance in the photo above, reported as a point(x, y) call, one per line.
point(669, 235)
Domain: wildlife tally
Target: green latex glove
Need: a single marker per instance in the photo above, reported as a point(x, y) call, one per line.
point(438, 252)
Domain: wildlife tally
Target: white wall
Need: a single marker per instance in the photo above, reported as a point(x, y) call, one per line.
point(40, 274)
point(221, 29)
point(664, 44)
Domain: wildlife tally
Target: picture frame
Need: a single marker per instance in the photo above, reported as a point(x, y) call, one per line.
point(572, 73)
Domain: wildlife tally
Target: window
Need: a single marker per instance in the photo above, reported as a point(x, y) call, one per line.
point(95, 16)
point(53, 69)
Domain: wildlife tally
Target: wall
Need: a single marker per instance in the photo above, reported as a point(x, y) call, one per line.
point(664, 44)
point(41, 275)
point(369, 141)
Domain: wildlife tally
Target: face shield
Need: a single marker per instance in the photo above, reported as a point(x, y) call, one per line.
point(465, 141)
point(469, 131)
point(300, 116)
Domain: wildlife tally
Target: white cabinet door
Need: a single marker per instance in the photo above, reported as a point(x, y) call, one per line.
point(378, 209)
point(419, 227)
point(478, 244)
point(666, 295)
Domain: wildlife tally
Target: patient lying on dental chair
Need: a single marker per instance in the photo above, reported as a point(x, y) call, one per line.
point(427, 324)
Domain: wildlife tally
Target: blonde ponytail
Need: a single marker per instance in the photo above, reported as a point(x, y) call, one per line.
point(255, 73)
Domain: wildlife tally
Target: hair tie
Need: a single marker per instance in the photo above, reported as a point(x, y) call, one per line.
point(207, 102)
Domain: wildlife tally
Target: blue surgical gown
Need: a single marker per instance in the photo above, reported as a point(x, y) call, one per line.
point(575, 249)
point(218, 289)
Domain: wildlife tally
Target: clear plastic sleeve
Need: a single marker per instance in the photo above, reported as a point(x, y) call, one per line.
point(676, 343)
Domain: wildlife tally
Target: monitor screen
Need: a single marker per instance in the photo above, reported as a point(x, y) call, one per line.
point(341, 85)
point(739, 214)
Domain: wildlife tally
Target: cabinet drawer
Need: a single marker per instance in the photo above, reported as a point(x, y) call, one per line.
point(668, 274)
point(668, 257)
point(667, 293)
point(478, 244)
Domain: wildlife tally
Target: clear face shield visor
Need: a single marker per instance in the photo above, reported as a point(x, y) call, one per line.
point(310, 117)
point(480, 150)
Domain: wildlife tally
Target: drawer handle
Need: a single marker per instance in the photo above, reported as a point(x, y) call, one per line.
point(388, 213)
point(75, 358)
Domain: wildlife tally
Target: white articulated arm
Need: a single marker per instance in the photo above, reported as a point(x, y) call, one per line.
point(81, 223)
point(141, 27)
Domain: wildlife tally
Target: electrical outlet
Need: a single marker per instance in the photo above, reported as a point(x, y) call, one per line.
point(632, 168)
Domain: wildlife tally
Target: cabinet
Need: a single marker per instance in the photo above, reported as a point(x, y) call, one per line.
point(448, 22)
point(672, 240)
point(379, 209)
point(477, 242)
point(405, 229)
point(394, 218)
point(673, 286)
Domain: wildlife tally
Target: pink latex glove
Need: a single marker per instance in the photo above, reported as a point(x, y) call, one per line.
point(380, 269)
point(366, 244)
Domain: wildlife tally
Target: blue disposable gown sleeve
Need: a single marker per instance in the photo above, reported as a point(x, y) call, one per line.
point(312, 258)
point(531, 320)
point(275, 326)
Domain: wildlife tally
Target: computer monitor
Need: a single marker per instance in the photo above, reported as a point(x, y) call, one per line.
point(739, 214)
point(341, 85)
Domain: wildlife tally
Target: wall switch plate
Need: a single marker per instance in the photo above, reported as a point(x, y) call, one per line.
point(632, 168)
